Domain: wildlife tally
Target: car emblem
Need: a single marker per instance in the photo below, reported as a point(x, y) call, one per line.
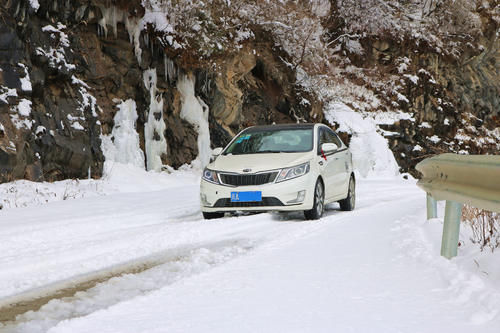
point(247, 170)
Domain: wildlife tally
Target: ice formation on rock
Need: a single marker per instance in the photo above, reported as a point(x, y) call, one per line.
point(195, 111)
point(155, 142)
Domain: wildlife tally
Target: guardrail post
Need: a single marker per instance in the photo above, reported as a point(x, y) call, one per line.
point(451, 229)
point(431, 207)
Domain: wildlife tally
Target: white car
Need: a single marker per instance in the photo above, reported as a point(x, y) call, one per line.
point(293, 167)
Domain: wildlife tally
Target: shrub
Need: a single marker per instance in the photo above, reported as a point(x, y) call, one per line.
point(485, 226)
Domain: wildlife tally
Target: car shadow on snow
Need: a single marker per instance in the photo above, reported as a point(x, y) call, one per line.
point(298, 216)
point(330, 209)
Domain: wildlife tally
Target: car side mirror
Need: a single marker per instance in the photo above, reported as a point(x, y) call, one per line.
point(217, 151)
point(329, 147)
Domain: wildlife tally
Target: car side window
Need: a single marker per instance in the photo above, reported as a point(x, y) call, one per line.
point(322, 138)
point(333, 138)
point(326, 135)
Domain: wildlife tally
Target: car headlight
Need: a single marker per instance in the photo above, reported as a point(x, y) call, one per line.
point(293, 172)
point(210, 176)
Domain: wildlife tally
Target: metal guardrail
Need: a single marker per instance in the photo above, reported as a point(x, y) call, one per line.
point(459, 179)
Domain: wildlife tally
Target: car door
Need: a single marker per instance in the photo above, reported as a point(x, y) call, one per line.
point(326, 164)
point(340, 164)
point(333, 165)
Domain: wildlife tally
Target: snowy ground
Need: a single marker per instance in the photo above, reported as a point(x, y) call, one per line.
point(376, 269)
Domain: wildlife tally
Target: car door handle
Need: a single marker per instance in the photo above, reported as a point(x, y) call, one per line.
point(320, 162)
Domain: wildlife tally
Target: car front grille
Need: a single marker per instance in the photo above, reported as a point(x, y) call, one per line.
point(246, 180)
point(266, 202)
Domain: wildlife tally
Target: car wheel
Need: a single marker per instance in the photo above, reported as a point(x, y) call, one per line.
point(319, 202)
point(348, 203)
point(212, 215)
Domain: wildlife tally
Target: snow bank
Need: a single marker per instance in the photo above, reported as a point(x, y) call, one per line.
point(122, 145)
point(471, 278)
point(22, 193)
point(370, 151)
point(118, 178)
point(195, 111)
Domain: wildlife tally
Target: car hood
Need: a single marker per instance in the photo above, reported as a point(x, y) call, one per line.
point(258, 162)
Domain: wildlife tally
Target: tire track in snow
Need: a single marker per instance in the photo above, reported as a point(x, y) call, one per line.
point(38, 310)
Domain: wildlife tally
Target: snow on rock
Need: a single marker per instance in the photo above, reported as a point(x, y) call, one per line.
point(417, 148)
point(5, 93)
point(57, 56)
point(434, 138)
point(25, 81)
point(76, 125)
point(21, 114)
point(122, 145)
point(24, 107)
point(40, 130)
point(388, 117)
point(57, 33)
point(87, 100)
point(195, 111)
point(370, 151)
point(34, 4)
point(412, 78)
point(156, 144)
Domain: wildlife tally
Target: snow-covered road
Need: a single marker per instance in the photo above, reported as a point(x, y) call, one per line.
point(376, 269)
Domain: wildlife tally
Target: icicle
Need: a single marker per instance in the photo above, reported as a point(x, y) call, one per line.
point(16, 12)
point(170, 69)
point(155, 146)
point(206, 84)
point(114, 22)
point(80, 12)
point(102, 23)
point(133, 26)
point(195, 111)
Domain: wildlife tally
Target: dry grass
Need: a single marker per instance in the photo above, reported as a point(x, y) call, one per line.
point(485, 227)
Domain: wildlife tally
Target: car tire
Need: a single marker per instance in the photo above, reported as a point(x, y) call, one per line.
point(319, 202)
point(349, 203)
point(212, 215)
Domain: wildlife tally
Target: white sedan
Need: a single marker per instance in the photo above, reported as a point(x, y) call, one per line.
point(293, 167)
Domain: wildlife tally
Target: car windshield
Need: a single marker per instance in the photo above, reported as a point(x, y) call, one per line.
point(289, 140)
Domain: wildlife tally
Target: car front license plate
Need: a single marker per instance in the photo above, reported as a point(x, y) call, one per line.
point(249, 196)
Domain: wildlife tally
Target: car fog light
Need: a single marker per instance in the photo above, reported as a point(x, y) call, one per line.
point(300, 197)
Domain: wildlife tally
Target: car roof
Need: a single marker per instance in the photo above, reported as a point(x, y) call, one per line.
point(279, 126)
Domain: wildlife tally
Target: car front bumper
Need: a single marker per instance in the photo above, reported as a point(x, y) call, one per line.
point(276, 196)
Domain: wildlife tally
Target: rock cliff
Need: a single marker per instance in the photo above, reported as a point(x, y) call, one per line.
point(65, 66)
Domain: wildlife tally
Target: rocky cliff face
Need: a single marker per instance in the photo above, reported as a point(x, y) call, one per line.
point(80, 68)
point(65, 66)
point(456, 102)
point(440, 64)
